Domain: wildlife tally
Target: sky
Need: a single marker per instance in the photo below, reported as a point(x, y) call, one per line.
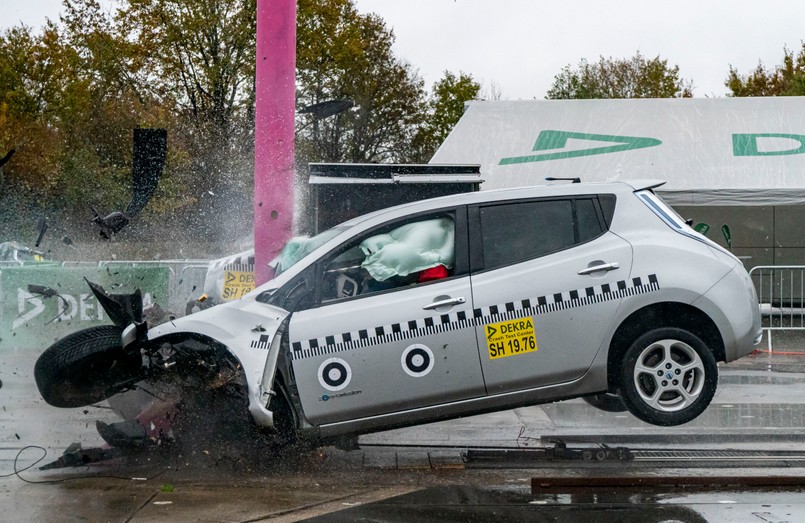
point(519, 46)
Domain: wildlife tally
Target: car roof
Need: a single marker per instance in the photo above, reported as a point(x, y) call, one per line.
point(514, 193)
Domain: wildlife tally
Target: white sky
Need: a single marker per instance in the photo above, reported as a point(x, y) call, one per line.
point(522, 44)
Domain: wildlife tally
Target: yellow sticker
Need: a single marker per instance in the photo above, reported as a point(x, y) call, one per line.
point(510, 338)
point(237, 284)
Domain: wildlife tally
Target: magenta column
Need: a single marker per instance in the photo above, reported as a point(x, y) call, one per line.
point(275, 100)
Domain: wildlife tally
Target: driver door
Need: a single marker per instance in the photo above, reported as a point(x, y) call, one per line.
point(366, 347)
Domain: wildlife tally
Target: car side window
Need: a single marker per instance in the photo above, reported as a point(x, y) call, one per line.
point(519, 231)
point(401, 254)
point(587, 219)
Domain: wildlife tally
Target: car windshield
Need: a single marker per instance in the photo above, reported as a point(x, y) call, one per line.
point(300, 246)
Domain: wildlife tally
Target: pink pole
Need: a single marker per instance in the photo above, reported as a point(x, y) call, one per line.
point(275, 100)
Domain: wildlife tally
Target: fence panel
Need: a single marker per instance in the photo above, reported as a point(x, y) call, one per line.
point(781, 293)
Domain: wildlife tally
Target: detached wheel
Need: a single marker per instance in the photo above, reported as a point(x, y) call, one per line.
point(668, 377)
point(86, 367)
point(606, 401)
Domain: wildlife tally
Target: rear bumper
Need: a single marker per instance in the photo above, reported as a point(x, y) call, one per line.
point(732, 304)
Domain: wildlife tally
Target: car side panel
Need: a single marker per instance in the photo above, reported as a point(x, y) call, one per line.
point(373, 338)
point(570, 313)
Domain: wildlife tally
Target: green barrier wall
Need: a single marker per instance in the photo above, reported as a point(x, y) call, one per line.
point(34, 321)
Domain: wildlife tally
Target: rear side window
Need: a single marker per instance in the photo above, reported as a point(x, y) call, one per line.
point(587, 218)
point(519, 231)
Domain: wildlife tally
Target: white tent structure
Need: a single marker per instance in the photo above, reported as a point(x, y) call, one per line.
point(711, 151)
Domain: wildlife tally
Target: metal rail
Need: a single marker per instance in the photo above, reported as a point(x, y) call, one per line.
point(781, 294)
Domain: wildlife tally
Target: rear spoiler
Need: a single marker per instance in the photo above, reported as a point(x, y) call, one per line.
point(641, 185)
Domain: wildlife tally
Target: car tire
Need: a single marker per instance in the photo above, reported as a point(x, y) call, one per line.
point(86, 367)
point(668, 376)
point(606, 401)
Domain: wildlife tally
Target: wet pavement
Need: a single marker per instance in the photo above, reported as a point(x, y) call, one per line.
point(426, 473)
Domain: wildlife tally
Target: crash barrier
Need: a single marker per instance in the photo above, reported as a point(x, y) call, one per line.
point(45, 302)
point(42, 302)
point(781, 294)
point(186, 279)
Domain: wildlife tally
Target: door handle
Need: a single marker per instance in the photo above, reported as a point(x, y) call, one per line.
point(443, 303)
point(603, 267)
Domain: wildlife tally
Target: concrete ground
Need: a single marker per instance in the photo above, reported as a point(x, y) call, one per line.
point(425, 473)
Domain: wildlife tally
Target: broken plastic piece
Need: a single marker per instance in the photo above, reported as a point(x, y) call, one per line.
point(122, 309)
point(42, 290)
point(41, 226)
point(110, 224)
point(4, 160)
point(76, 456)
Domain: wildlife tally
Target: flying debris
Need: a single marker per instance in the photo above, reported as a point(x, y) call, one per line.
point(110, 224)
point(41, 226)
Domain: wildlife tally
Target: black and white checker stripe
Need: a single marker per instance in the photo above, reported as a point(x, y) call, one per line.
point(239, 267)
point(480, 316)
point(260, 343)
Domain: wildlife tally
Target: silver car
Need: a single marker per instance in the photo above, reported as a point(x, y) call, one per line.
point(449, 307)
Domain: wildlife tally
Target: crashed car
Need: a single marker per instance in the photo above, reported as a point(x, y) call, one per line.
point(444, 308)
point(19, 253)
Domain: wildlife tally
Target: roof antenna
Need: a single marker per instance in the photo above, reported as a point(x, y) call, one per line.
point(572, 180)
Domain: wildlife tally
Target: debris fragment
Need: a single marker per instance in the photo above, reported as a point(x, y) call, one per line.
point(4, 160)
point(110, 224)
point(41, 226)
point(42, 290)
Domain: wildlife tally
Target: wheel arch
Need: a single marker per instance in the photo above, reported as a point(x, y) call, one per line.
point(663, 314)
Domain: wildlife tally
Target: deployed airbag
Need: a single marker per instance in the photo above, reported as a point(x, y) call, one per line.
point(410, 248)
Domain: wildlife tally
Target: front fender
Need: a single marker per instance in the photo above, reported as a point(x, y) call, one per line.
point(251, 332)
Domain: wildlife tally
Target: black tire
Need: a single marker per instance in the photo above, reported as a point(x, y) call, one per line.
point(86, 367)
point(686, 383)
point(606, 401)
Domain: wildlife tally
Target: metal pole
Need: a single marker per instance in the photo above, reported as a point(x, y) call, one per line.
point(275, 99)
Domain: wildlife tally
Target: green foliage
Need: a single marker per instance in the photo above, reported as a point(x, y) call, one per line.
point(342, 54)
point(636, 77)
point(71, 94)
point(787, 79)
point(446, 106)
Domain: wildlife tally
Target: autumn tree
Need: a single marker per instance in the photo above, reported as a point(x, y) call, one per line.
point(34, 78)
point(445, 107)
point(636, 77)
point(342, 54)
point(71, 95)
point(198, 56)
point(787, 79)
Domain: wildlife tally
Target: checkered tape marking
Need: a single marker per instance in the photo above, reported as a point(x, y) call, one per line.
point(461, 320)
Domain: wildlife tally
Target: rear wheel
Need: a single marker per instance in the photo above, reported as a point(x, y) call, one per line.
point(86, 367)
point(668, 377)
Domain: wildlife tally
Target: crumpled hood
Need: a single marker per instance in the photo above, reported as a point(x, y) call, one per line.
point(227, 321)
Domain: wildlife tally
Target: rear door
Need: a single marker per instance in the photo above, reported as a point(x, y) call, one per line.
point(547, 279)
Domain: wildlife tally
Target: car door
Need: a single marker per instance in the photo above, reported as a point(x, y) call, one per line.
point(547, 279)
point(367, 347)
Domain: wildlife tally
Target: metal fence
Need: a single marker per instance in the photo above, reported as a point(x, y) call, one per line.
point(781, 293)
point(186, 276)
